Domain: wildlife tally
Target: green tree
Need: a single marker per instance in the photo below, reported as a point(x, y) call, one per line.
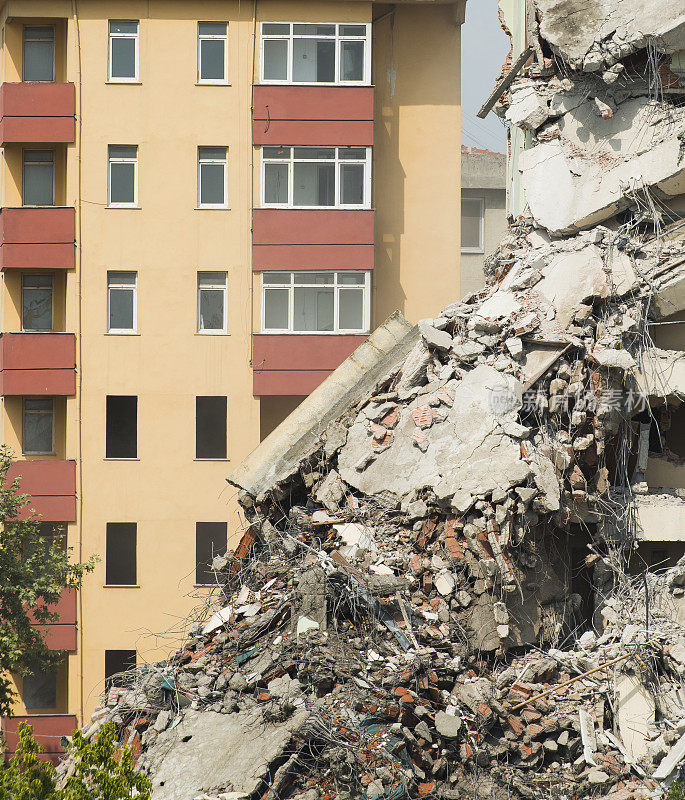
point(34, 569)
point(26, 777)
point(103, 771)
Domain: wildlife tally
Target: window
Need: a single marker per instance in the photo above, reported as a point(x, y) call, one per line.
point(306, 53)
point(120, 563)
point(315, 302)
point(122, 183)
point(116, 662)
point(39, 53)
point(210, 427)
point(212, 52)
point(212, 163)
point(39, 689)
point(122, 426)
point(211, 302)
point(122, 302)
point(39, 426)
point(472, 212)
point(210, 541)
point(39, 178)
point(123, 50)
point(316, 177)
point(36, 302)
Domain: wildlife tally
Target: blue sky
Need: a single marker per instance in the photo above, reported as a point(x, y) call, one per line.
point(484, 46)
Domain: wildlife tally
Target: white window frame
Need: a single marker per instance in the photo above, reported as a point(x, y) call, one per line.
point(136, 51)
point(122, 160)
point(212, 36)
point(366, 204)
point(224, 163)
point(50, 452)
point(130, 287)
point(224, 287)
point(481, 201)
point(24, 276)
point(289, 37)
point(290, 288)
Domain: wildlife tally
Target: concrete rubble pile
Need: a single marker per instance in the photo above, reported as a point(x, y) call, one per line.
point(405, 615)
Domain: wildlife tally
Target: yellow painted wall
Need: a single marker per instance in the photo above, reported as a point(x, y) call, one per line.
point(167, 241)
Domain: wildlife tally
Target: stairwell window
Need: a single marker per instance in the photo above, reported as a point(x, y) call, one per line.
point(123, 50)
point(316, 302)
point(212, 169)
point(316, 177)
point(39, 53)
point(36, 302)
point(472, 224)
point(38, 426)
point(39, 178)
point(212, 297)
point(122, 302)
point(212, 52)
point(122, 183)
point(304, 53)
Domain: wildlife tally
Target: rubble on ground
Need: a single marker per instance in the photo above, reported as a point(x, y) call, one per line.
point(433, 595)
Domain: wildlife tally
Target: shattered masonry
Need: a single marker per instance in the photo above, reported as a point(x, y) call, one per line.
point(433, 597)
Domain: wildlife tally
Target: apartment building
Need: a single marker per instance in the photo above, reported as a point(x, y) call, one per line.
point(206, 207)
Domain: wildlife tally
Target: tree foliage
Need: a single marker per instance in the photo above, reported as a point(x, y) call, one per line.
point(102, 771)
point(34, 569)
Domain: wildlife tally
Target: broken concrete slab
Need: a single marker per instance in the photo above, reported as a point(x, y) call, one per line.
point(635, 710)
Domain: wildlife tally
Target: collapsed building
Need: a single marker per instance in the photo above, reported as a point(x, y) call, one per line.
point(444, 587)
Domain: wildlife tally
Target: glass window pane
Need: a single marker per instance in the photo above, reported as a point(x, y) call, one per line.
point(352, 184)
point(314, 30)
point(271, 28)
point(39, 689)
point(37, 280)
point(351, 278)
point(351, 309)
point(123, 57)
point(314, 153)
point(39, 61)
point(38, 405)
point(313, 309)
point(119, 278)
point(212, 153)
point(352, 61)
point(37, 432)
point(213, 28)
point(353, 30)
point(275, 60)
point(313, 61)
point(123, 26)
point(314, 184)
point(212, 189)
point(36, 308)
point(38, 184)
point(276, 309)
point(352, 153)
point(122, 183)
point(214, 279)
point(310, 278)
point(211, 309)
point(212, 60)
point(276, 183)
point(277, 278)
point(471, 224)
point(123, 151)
point(121, 309)
point(276, 152)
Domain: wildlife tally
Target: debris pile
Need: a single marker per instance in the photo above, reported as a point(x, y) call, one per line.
point(432, 596)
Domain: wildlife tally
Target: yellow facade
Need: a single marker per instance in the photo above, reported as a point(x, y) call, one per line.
point(167, 240)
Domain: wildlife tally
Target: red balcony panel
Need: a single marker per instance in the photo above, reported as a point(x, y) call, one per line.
point(52, 486)
point(37, 238)
point(61, 635)
point(37, 364)
point(36, 112)
point(296, 364)
point(47, 729)
point(313, 115)
point(312, 239)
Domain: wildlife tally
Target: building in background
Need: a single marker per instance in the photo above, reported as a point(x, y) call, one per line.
point(483, 212)
point(203, 213)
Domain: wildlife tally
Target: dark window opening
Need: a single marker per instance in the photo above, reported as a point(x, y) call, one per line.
point(210, 427)
point(122, 426)
point(210, 541)
point(117, 661)
point(121, 554)
point(39, 689)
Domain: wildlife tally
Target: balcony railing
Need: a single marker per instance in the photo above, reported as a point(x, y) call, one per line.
point(37, 238)
point(36, 112)
point(48, 729)
point(37, 364)
point(52, 486)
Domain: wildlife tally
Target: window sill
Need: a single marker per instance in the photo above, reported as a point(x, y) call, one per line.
point(122, 82)
point(212, 208)
point(211, 333)
point(312, 333)
point(472, 251)
point(121, 459)
point(221, 460)
point(123, 333)
point(29, 453)
point(315, 208)
point(213, 83)
point(123, 208)
point(323, 84)
point(121, 586)
point(206, 585)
